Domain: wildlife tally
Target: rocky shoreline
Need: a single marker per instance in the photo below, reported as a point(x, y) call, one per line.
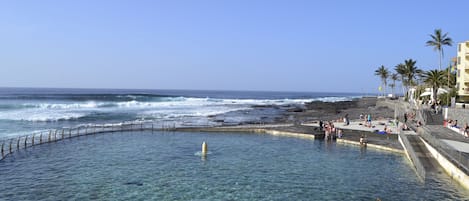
point(291, 121)
point(331, 111)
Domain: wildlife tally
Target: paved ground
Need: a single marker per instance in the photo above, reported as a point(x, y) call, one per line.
point(460, 146)
point(454, 140)
point(425, 157)
point(354, 131)
point(377, 125)
point(444, 133)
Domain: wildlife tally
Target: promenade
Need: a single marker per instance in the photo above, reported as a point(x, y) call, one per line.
point(450, 143)
point(451, 137)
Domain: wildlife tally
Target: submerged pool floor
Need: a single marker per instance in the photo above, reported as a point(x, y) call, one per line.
point(239, 166)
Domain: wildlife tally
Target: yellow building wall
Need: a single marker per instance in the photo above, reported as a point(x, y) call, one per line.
point(462, 77)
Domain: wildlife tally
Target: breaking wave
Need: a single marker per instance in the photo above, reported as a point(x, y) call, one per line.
point(141, 106)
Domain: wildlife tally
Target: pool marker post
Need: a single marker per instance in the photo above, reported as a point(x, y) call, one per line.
point(204, 149)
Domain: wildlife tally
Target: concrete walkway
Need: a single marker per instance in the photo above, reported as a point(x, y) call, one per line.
point(377, 125)
point(457, 144)
point(452, 138)
point(460, 146)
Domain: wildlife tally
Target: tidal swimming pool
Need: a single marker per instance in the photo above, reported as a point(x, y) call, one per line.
point(239, 166)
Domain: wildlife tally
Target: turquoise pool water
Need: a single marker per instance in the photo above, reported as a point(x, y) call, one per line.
point(239, 166)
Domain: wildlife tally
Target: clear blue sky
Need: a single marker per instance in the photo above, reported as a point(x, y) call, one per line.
point(229, 45)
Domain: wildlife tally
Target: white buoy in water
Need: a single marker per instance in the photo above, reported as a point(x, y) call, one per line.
point(204, 148)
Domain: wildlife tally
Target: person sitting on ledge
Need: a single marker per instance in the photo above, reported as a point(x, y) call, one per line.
point(455, 124)
point(465, 130)
point(339, 133)
point(388, 131)
point(405, 128)
point(385, 130)
point(419, 124)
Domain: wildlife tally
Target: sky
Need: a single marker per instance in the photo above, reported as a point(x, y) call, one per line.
point(259, 45)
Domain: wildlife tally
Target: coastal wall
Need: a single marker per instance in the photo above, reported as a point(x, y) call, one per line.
point(253, 130)
point(380, 147)
point(412, 155)
point(462, 115)
point(448, 166)
point(399, 107)
point(445, 161)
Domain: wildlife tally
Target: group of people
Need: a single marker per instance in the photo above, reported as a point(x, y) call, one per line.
point(330, 130)
point(387, 130)
point(408, 116)
point(435, 106)
point(404, 127)
point(454, 124)
point(366, 119)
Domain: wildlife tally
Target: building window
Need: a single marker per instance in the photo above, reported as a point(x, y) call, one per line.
point(459, 47)
point(459, 72)
point(457, 86)
point(459, 60)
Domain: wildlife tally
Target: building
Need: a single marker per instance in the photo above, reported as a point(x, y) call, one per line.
point(462, 77)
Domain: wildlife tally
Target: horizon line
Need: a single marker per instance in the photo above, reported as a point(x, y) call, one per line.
point(214, 90)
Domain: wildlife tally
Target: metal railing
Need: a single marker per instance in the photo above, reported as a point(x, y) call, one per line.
point(11, 145)
point(458, 158)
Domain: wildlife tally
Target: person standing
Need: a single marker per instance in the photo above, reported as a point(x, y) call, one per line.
point(368, 120)
point(397, 123)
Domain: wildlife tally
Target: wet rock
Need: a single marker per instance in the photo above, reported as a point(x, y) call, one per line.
point(135, 183)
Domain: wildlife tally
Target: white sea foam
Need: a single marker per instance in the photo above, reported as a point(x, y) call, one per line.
point(168, 107)
point(190, 112)
point(89, 104)
point(39, 115)
point(8, 135)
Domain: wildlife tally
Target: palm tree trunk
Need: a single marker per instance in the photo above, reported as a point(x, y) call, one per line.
point(441, 55)
point(382, 86)
point(402, 88)
point(385, 86)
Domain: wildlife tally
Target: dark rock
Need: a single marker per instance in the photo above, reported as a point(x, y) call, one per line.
point(262, 106)
point(297, 109)
point(134, 183)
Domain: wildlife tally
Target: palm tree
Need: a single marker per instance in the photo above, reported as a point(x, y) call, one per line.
point(383, 73)
point(451, 76)
point(400, 69)
point(434, 79)
point(411, 71)
point(408, 72)
point(394, 77)
point(438, 41)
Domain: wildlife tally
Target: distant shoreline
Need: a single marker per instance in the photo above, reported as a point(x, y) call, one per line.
point(291, 123)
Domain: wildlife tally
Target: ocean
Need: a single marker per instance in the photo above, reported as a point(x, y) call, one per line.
point(27, 110)
point(159, 165)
